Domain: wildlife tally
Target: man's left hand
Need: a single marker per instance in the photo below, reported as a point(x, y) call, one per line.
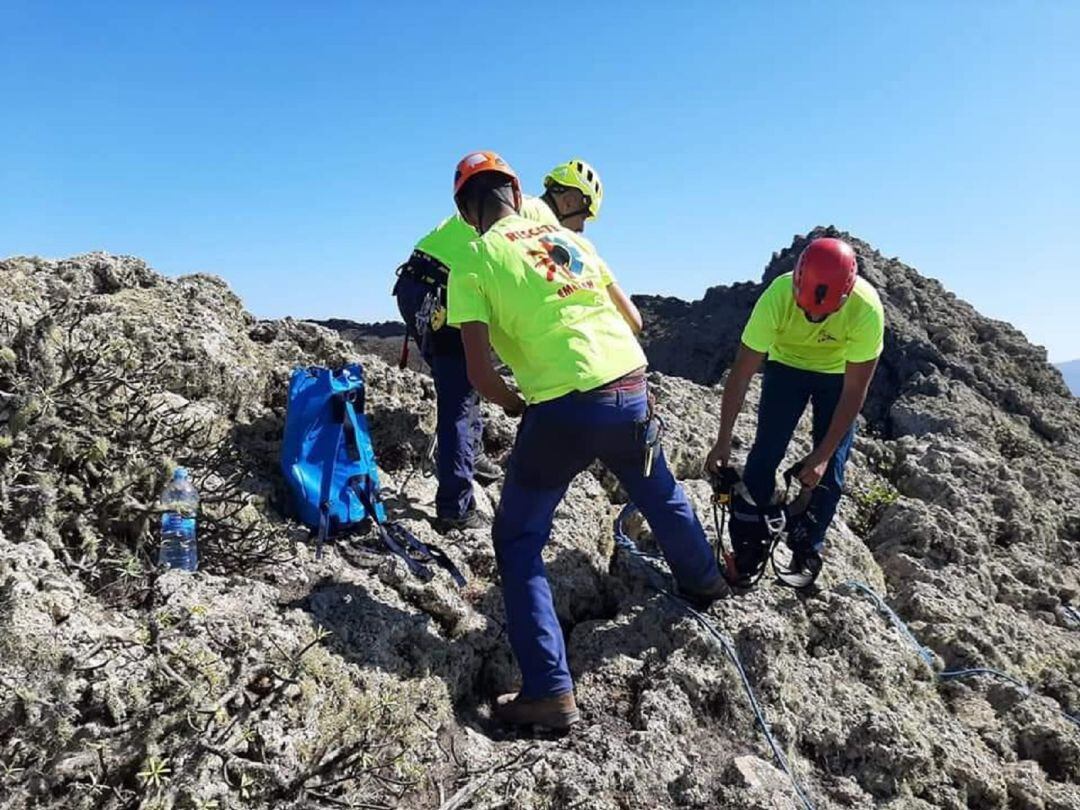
point(813, 470)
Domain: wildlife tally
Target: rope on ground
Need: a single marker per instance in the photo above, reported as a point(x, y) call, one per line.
point(660, 583)
point(927, 655)
point(924, 653)
point(1072, 615)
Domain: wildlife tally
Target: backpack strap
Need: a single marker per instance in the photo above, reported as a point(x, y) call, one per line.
point(405, 544)
point(429, 551)
point(323, 531)
point(351, 425)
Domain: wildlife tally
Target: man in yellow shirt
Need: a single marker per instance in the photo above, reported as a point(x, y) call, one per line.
point(572, 194)
point(821, 329)
point(550, 307)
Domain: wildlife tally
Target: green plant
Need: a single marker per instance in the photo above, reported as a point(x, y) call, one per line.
point(870, 505)
point(9, 771)
point(155, 773)
point(245, 786)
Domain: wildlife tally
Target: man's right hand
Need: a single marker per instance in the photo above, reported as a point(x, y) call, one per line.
point(515, 409)
point(718, 458)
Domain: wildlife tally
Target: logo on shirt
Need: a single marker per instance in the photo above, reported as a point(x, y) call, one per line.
point(555, 256)
point(825, 337)
point(530, 233)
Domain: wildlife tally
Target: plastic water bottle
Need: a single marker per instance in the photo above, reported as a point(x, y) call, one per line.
point(179, 506)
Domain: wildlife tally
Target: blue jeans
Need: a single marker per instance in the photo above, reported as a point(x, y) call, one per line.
point(458, 424)
point(785, 392)
point(555, 442)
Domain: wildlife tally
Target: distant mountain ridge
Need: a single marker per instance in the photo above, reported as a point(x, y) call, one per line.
point(1070, 370)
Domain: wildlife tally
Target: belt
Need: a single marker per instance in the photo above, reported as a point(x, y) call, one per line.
point(425, 269)
point(633, 381)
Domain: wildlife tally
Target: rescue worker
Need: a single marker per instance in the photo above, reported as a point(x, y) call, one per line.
point(572, 194)
point(820, 331)
point(548, 304)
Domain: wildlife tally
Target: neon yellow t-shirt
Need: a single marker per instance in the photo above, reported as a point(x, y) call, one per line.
point(535, 208)
point(853, 334)
point(542, 291)
point(449, 242)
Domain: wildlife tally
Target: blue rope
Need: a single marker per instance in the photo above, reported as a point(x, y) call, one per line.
point(955, 674)
point(924, 653)
point(928, 656)
point(659, 582)
point(1072, 614)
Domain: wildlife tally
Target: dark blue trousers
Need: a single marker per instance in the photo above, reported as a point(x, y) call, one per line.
point(785, 392)
point(458, 424)
point(555, 442)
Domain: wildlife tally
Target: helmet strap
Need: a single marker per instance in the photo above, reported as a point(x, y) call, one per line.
point(580, 211)
point(549, 197)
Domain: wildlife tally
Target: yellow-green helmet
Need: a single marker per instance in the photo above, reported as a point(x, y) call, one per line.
point(576, 173)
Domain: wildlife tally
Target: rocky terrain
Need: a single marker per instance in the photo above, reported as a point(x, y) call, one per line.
point(383, 340)
point(271, 679)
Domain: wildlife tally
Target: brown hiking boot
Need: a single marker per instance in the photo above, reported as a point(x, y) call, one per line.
point(558, 713)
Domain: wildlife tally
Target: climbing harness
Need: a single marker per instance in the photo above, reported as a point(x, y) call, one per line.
point(660, 582)
point(762, 532)
point(431, 316)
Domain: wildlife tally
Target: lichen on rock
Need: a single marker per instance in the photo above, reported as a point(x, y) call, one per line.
point(272, 679)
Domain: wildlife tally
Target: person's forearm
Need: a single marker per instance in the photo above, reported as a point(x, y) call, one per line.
point(847, 410)
point(632, 316)
point(482, 374)
point(730, 405)
point(746, 364)
point(626, 307)
point(491, 386)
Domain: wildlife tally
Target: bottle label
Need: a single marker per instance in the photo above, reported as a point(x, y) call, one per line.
point(175, 523)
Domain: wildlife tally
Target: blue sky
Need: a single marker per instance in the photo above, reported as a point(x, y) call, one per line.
point(299, 150)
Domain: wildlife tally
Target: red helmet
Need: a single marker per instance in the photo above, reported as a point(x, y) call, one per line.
point(824, 276)
point(476, 162)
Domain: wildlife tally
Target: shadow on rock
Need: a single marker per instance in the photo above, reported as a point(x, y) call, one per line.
point(407, 644)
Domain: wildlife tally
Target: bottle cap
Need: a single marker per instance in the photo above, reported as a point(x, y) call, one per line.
point(180, 474)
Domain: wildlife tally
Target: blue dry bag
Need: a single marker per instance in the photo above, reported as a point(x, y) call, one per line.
point(330, 469)
point(326, 453)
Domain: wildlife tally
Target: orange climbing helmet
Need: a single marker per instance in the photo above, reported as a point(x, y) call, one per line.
point(476, 163)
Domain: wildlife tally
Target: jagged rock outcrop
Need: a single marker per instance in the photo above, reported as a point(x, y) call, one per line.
point(382, 339)
point(271, 679)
